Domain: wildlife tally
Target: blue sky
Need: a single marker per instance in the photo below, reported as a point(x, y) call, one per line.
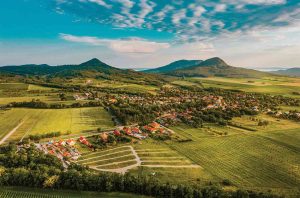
point(149, 33)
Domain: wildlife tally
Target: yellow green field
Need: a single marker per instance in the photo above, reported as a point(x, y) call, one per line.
point(266, 159)
point(276, 85)
point(39, 121)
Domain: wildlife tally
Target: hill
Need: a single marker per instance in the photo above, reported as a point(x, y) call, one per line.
point(295, 72)
point(217, 67)
point(180, 64)
point(93, 68)
point(44, 69)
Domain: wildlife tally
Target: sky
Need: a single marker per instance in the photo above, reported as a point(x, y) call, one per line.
point(258, 34)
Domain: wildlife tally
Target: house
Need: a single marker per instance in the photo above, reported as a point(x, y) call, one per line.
point(117, 133)
point(135, 130)
point(127, 130)
point(149, 129)
point(84, 141)
point(154, 125)
point(103, 137)
point(71, 142)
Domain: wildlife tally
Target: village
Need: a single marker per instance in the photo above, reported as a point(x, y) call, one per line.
point(67, 150)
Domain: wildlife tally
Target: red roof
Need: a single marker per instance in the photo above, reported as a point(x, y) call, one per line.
point(117, 132)
point(154, 125)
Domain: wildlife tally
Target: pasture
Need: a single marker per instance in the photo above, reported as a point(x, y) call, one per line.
point(66, 121)
point(277, 85)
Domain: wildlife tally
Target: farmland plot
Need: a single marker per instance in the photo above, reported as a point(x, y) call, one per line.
point(119, 159)
point(248, 160)
point(40, 121)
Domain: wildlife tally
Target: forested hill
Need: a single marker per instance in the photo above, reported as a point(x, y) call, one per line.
point(180, 64)
point(217, 67)
point(93, 68)
point(44, 69)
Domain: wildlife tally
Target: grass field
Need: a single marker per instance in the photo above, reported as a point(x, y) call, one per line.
point(20, 192)
point(278, 85)
point(39, 121)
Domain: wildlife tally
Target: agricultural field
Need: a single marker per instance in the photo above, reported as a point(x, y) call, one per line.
point(40, 121)
point(118, 159)
point(116, 84)
point(16, 192)
point(277, 85)
point(20, 92)
point(265, 159)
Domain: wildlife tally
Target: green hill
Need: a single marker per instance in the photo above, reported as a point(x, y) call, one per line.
point(180, 64)
point(217, 67)
point(295, 72)
point(93, 68)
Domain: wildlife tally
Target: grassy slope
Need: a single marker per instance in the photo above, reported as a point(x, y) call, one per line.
point(38, 121)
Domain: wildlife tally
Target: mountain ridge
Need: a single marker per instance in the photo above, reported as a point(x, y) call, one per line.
point(294, 72)
point(215, 67)
point(183, 63)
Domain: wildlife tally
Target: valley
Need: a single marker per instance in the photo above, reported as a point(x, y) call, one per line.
point(208, 132)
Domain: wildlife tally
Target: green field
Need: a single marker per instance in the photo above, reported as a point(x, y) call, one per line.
point(266, 159)
point(277, 86)
point(66, 121)
point(20, 192)
point(108, 159)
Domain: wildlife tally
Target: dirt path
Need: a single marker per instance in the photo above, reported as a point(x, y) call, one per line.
point(10, 133)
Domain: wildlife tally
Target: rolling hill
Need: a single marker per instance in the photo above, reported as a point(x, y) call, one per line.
point(295, 72)
point(180, 64)
point(93, 68)
point(215, 67)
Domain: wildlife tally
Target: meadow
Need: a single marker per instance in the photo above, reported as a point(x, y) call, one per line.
point(66, 121)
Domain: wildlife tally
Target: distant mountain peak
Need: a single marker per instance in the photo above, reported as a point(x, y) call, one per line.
point(93, 62)
point(179, 64)
point(216, 61)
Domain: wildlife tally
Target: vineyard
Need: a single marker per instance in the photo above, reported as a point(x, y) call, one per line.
point(268, 160)
point(37, 193)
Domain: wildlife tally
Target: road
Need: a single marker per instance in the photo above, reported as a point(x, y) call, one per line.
point(10, 133)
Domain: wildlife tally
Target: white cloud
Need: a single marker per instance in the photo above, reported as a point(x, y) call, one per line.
point(129, 45)
point(220, 7)
point(99, 2)
point(265, 2)
point(178, 16)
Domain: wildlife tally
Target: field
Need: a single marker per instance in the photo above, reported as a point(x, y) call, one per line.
point(277, 85)
point(66, 121)
point(16, 192)
point(118, 159)
point(265, 159)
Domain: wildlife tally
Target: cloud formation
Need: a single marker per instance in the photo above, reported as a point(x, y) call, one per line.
point(193, 19)
point(128, 45)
